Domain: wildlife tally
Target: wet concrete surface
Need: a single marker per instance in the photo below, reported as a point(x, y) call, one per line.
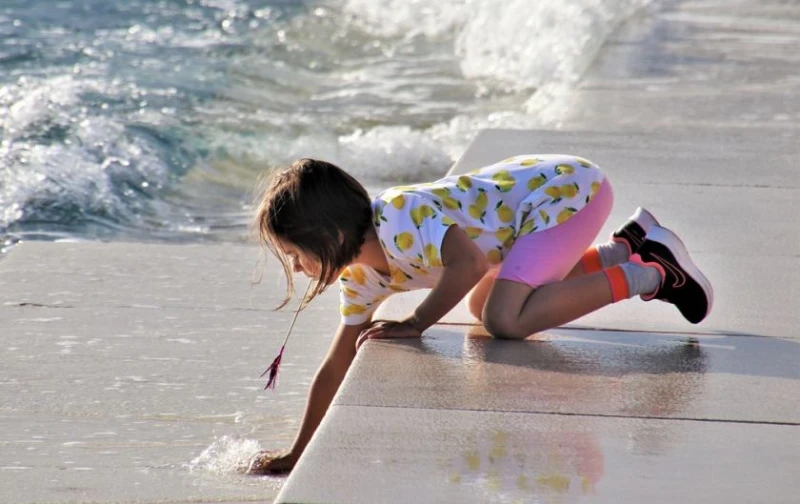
point(584, 372)
point(394, 455)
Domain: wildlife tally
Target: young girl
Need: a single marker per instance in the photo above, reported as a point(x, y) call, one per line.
point(513, 237)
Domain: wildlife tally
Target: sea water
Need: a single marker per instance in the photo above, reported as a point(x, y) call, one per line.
point(152, 119)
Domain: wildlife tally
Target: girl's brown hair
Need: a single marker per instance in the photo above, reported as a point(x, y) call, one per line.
point(320, 209)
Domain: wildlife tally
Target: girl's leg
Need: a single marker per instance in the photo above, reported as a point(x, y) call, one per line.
point(516, 310)
point(624, 241)
point(661, 269)
point(531, 292)
point(476, 299)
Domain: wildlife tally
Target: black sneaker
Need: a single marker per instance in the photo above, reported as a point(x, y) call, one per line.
point(682, 282)
point(632, 233)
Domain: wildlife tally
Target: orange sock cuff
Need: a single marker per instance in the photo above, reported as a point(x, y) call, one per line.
point(618, 282)
point(590, 262)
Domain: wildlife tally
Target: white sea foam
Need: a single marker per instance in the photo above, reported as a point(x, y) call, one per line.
point(392, 90)
point(85, 170)
point(226, 455)
point(536, 49)
point(430, 74)
point(516, 44)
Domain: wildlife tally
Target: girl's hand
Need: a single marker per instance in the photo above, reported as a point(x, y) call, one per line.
point(382, 329)
point(265, 462)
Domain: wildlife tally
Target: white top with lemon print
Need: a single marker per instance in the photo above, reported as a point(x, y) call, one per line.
point(494, 205)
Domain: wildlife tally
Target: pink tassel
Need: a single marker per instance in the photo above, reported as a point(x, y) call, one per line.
point(273, 371)
point(276, 364)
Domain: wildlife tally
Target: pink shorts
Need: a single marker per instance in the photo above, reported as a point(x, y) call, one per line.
point(548, 256)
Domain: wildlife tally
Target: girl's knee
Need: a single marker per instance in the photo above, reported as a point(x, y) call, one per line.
point(501, 324)
point(475, 306)
point(503, 321)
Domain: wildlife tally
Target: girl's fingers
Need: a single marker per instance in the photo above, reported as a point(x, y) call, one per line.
point(371, 333)
point(385, 329)
point(360, 341)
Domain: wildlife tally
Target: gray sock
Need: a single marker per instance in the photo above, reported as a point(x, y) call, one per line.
point(641, 279)
point(612, 253)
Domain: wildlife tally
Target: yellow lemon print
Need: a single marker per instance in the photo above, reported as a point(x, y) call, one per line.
point(565, 169)
point(504, 212)
point(505, 235)
point(421, 213)
point(565, 214)
point(416, 216)
point(545, 216)
point(478, 210)
point(473, 232)
point(447, 200)
point(530, 162)
point(509, 160)
point(569, 190)
point(476, 213)
point(504, 181)
point(464, 183)
point(432, 255)
point(348, 292)
point(553, 192)
point(482, 200)
point(595, 188)
point(537, 182)
point(352, 309)
point(584, 162)
point(398, 202)
point(358, 275)
point(451, 203)
point(404, 241)
point(399, 276)
point(447, 221)
point(527, 227)
point(495, 256)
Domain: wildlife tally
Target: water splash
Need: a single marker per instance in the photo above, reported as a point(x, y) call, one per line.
point(226, 455)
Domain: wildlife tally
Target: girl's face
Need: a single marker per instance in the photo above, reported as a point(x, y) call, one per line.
point(301, 261)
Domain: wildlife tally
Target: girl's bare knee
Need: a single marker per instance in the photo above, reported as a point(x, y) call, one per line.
point(475, 306)
point(501, 325)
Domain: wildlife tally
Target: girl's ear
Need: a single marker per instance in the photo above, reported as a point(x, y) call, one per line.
point(341, 238)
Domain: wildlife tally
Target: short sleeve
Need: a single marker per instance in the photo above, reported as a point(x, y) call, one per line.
point(360, 294)
point(413, 228)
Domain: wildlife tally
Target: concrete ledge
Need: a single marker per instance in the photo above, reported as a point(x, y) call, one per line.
point(602, 416)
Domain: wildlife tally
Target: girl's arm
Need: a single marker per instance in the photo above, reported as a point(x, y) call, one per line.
point(464, 265)
point(324, 386)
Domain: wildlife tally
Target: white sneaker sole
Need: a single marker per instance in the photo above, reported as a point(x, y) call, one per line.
point(670, 240)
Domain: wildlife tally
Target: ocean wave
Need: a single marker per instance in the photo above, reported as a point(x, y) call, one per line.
point(156, 119)
point(66, 162)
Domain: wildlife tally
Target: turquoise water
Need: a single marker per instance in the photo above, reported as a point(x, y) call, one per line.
point(151, 120)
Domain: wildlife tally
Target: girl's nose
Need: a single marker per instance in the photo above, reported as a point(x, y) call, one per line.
point(296, 266)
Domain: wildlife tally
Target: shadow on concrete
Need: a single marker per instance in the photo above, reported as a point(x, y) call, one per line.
point(610, 353)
